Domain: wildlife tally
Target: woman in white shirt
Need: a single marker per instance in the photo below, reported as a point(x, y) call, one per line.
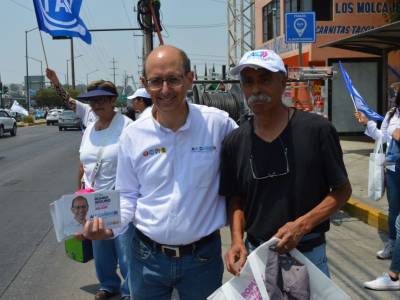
point(98, 156)
point(390, 134)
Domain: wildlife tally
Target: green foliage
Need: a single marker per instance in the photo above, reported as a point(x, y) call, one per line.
point(27, 119)
point(48, 97)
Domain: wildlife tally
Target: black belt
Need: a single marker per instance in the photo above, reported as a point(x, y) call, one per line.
point(303, 246)
point(176, 251)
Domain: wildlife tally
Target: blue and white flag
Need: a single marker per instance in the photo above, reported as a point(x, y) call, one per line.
point(61, 18)
point(358, 101)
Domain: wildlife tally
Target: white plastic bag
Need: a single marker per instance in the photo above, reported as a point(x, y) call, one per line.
point(250, 284)
point(376, 173)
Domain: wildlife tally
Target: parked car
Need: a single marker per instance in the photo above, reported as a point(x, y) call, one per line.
point(39, 114)
point(68, 119)
point(52, 116)
point(15, 115)
point(7, 124)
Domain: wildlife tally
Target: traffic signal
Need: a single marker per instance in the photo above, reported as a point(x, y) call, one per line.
point(5, 89)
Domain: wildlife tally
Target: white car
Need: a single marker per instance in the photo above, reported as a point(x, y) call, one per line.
point(53, 116)
point(7, 124)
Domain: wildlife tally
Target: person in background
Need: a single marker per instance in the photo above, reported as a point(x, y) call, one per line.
point(141, 102)
point(389, 132)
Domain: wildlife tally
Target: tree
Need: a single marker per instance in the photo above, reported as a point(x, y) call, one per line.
point(48, 97)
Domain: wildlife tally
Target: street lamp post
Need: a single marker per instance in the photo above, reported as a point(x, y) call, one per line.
point(87, 76)
point(27, 85)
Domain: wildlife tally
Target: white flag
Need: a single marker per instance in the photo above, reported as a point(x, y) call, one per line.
point(16, 107)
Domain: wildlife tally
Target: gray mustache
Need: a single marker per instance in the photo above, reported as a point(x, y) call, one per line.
point(258, 98)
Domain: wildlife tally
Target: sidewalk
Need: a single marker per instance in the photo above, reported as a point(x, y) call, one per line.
point(356, 152)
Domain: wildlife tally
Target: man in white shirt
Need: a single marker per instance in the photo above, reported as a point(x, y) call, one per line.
point(168, 174)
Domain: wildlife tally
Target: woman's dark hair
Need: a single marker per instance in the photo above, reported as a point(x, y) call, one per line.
point(147, 101)
point(104, 85)
point(396, 106)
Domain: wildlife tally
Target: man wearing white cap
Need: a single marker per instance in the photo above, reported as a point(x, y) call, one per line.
point(141, 102)
point(282, 171)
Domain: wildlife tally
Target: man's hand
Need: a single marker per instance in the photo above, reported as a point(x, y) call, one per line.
point(361, 118)
point(396, 134)
point(52, 76)
point(290, 235)
point(95, 230)
point(235, 258)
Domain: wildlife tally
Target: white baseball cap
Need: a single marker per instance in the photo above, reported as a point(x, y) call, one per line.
point(140, 93)
point(264, 58)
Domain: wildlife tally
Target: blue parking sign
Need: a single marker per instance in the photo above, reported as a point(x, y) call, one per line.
point(300, 27)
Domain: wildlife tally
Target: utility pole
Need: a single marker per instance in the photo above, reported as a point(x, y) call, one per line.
point(114, 68)
point(1, 93)
point(72, 63)
point(146, 24)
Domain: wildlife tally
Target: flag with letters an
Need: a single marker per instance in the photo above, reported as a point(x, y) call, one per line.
point(60, 18)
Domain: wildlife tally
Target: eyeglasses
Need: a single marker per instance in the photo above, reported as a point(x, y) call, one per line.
point(172, 82)
point(79, 207)
point(272, 174)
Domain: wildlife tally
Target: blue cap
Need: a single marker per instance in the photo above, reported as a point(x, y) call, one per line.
point(97, 92)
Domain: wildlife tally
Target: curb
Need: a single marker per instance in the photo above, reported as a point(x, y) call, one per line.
point(367, 214)
point(38, 122)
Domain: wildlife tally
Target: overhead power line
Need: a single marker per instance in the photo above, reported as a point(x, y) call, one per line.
point(21, 5)
point(189, 26)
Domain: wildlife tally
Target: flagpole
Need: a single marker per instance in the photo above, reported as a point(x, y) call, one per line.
point(44, 51)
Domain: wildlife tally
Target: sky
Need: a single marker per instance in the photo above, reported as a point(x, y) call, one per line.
point(197, 27)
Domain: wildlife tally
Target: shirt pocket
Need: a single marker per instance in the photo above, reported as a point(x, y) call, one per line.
point(204, 169)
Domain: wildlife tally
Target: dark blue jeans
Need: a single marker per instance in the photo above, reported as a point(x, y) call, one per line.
point(108, 255)
point(153, 275)
point(393, 195)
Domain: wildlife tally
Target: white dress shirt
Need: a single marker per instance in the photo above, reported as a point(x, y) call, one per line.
point(169, 180)
point(385, 132)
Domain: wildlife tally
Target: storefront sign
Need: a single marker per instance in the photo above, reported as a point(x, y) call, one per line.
point(366, 7)
point(341, 29)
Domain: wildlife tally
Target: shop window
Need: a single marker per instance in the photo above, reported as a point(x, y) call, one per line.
point(271, 20)
point(323, 10)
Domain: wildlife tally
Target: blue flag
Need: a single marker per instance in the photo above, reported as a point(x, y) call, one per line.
point(61, 18)
point(358, 101)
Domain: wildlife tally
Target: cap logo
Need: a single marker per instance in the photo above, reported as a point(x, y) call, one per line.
point(261, 54)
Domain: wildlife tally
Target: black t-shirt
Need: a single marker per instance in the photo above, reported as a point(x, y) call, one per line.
point(315, 166)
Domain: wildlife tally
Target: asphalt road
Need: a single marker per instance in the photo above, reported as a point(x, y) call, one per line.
point(37, 166)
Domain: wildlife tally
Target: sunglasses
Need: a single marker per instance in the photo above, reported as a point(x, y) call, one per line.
point(270, 174)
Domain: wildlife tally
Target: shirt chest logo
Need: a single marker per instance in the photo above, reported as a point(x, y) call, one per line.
point(151, 152)
point(204, 149)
